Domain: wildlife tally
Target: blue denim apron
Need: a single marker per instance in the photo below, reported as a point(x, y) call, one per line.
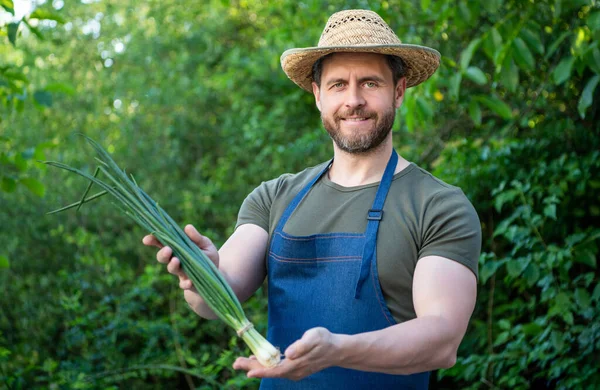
point(330, 280)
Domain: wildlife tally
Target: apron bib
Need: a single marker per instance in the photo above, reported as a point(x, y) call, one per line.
point(330, 280)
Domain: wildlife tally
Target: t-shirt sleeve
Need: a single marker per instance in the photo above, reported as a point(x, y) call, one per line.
point(451, 229)
point(256, 208)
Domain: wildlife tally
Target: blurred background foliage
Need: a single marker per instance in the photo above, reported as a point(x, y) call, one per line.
point(190, 97)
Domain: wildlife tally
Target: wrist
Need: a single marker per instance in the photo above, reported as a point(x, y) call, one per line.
point(341, 348)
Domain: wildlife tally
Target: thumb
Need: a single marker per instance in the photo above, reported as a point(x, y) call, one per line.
point(203, 242)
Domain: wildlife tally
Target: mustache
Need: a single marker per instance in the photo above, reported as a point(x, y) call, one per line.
point(356, 113)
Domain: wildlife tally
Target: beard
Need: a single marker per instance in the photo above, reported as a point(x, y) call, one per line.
point(360, 143)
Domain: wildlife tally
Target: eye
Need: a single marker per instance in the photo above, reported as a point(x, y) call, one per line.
point(371, 84)
point(338, 85)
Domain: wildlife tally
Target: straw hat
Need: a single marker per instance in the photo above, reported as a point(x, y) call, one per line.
point(359, 31)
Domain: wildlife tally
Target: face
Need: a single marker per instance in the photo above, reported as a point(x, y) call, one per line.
point(358, 100)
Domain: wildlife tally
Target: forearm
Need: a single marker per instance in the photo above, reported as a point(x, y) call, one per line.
point(423, 344)
point(199, 305)
point(243, 287)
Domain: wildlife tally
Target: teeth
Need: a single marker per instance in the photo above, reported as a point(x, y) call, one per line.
point(355, 119)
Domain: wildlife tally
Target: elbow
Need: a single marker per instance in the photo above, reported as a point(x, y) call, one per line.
point(449, 360)
point(449, 356)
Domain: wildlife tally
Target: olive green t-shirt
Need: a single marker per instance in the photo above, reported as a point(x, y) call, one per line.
point(422, 216)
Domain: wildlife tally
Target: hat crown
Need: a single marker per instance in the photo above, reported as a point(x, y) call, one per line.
point(357, 28)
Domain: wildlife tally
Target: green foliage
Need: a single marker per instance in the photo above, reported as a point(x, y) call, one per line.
point(191, 97)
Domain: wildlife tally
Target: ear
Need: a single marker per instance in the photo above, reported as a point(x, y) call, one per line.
point(317, 94)
point(399, 92)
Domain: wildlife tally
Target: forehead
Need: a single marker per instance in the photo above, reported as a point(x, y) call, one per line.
point(338, 64)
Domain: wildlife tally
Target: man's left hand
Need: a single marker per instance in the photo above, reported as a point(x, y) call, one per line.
point(315, 351)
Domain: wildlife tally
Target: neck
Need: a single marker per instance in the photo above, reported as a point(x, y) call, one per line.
point(351, 170)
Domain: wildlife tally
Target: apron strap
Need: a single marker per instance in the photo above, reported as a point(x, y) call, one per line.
point(374, 216)
point(298, 198)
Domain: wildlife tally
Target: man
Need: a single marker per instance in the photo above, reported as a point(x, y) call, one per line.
point(371, 261)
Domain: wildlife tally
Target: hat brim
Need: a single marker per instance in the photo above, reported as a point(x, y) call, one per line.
point(421, 62)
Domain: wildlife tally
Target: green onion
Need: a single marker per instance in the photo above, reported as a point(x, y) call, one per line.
point(207, 279)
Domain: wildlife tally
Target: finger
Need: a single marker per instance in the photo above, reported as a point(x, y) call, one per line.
point(246, 364)
point(150, 240)
point(185, 283)
point(283, 370)
point(202, 241)
point(174, 268)
point(303, 346)
point(256, 370)
point(164, 255)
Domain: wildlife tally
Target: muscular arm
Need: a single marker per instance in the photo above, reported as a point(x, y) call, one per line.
point(242, 260)
point(444, 293)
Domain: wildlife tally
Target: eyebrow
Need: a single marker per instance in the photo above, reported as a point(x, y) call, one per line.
point(360, 81)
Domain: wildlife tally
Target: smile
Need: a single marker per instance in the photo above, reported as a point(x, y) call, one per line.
point(355, 119)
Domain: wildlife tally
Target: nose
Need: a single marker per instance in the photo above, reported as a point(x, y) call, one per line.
point(354, 97)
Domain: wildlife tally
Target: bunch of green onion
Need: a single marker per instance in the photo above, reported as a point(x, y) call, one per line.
point(205, 276)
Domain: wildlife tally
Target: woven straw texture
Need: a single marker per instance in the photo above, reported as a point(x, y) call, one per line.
point(359, 31)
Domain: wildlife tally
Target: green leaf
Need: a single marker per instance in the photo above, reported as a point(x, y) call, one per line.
point(4, 263)
point(34, 30)
point(497, 106)
point(523, 55)
point(574, 239)
point(557, 339)
point(60, 87)
point(455, 85)
point(563, 301)
point(33, 185)
point(562, 72)
point(533, 40)
point(467, 54)
point(550, 211)
point(504, 324)
point(20, 162)
point(596, 293)
point(587, 96)
point(475, 112)
point(593, 21)
point(491, 6)
point(8, 6)
point(593, 60)
point(8, 184)
point(424, 108)
point(492, 43)
point(488, 269)
point(410, 113)
point(582, 297)
point(568, 317)
point(509, 75)
point(425, 4)
point(501, 339)
point(532, 274)
point(532, 329)
point(476, 75)
point(516, 266)
point(464, 12)
point(14, 74)
point(586, 257)
point(504, 197)
point(556, 44)
point(47, 15)
point(13, 28)
point(43, 98)
point(557, 8)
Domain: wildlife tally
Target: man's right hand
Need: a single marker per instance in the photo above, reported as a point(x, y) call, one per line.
point(165, 256)
point(241, 261)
